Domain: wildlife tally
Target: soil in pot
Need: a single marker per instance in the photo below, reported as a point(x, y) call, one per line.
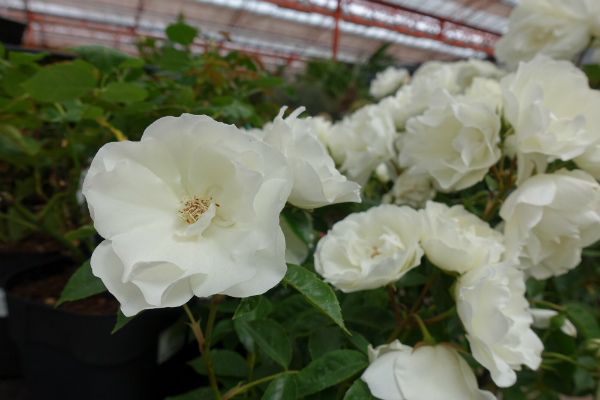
point(69, 352)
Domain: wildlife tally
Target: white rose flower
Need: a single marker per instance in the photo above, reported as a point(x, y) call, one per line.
point(589, 160)
point(486, 90)
point(370, 249)
point(455, 141)
point(190, 210)
point(399, 372)
point(410, 190)
point(388, 81)
point(323, 128)
point(317, 182)
point(454, 77)
point(398, 106)
point(363, 140)
point(456, 240)
point(557, 28)
point(549, 219)
point(492, 307)
point(551, 117)
point(542, 319)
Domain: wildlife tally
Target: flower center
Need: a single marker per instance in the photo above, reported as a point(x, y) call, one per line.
point(193, 207)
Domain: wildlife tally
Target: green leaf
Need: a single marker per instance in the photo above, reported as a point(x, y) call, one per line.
point(359, 391)
point(82, 284)
point(12, 80)
point(317, 292)
point(181, 33)
point(204, 393)
point(329, 370)
point(132, 63)
point(21, 58)
point(25, 143)
point(272, 338)
point(282, 388)
point(102, 57)
point(61, 82)
point(81, 233)
point(360, 342)
point(267, 82)
point(322, 341)
point(583, 319)
point(124, 92)
point(174, 60)
point(248, 304)
point(300, 223)
point(263, 309)
point(122, 320)
point(225, 363)
point(2, 51)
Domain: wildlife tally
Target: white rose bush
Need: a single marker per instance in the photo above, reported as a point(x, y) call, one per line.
point(438, 244)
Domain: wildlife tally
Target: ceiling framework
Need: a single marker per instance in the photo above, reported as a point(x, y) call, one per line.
point(288, 32)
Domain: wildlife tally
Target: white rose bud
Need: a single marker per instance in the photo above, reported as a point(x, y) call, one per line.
point(399, 372)
point(388, 81)
point(492, 307)
point(456, 240)
point(410, 190)
point(550, 218)
point(190, 210)
point(542, 318)
point(370, 249)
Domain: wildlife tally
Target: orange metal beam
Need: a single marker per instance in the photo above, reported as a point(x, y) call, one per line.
point(482, 40)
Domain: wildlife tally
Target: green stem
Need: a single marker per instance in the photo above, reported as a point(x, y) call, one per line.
point(14, 102)
point(242, 389)
point(390, 290)
point(426, 335)
point(195, 325)
point(448, 313)
point(423, 292)
point(548, 304)
point(567, 359)
point(207, 359)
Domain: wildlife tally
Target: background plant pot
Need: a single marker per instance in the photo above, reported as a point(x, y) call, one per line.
point(12, 262)
point(67, 354)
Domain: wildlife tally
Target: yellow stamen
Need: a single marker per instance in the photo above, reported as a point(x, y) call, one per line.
point(193, 207)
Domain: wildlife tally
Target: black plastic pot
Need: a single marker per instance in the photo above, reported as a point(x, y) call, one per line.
point(70, 355)
point(10, 264)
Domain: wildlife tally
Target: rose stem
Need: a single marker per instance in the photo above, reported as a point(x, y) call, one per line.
point(216, 299)
point(390, 290)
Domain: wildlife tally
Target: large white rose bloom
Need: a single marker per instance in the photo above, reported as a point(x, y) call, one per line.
point(556, 28)
point(550, 218)
point(370, 249)
point(190, 210)
point(492, 307)
point(388, 81)
point(363, 140)
point(551, 117)
point(455, 141)
point(317, 182)
point(456, 240)
point(399, 372)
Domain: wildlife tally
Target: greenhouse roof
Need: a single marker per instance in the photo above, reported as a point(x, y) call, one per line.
point(279, 31)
